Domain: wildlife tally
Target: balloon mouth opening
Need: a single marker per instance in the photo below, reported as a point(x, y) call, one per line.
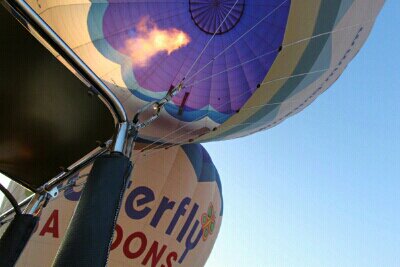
point(216, 16)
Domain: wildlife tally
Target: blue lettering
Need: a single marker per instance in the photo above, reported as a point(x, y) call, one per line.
point(164, 206)
point(188, 222)
point(189, 244)
point(180, 212)
point(148, 196)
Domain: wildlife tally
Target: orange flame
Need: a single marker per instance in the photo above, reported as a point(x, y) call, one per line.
point(150, 40)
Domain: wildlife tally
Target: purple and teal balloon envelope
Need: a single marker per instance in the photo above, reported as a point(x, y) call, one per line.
point(222, 79)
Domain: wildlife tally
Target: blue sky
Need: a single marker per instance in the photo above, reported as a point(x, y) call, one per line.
point(322, 188)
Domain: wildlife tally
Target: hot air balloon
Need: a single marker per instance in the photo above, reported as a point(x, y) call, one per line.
point(244, 66)
point(170, 73)
point(170, 215)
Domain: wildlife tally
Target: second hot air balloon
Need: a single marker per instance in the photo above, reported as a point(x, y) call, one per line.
point(170, 215)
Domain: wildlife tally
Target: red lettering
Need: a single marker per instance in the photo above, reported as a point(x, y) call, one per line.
point(118, 237)
point(51, 226)
point(143, 243)
point(173, 256)
point(154, 255)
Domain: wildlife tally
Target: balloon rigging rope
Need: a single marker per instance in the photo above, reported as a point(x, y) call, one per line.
point(264, 83)
point(267, 104)
point(277, 50)
point(179, 137)
point(252, 28)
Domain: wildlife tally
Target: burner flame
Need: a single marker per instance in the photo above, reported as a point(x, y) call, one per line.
point(151, 40)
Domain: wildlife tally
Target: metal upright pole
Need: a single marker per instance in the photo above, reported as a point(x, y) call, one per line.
point(89, 235)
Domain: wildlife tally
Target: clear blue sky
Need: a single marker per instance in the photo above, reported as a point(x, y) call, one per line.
point(323, 188)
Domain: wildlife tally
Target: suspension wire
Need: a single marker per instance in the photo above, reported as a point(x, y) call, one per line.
point(72, 183)
point(157, 106)
point(274, 51)
point(264, 83)
point(233, 68)
point(183, 80)
point(293, 100)
point(283, 47)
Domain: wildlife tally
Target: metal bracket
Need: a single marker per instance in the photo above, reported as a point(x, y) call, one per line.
point(155, 107)
point(39, 201)
point(53, 192)
point(36, 204)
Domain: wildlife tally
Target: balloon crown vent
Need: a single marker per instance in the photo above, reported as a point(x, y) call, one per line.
point(216, 16)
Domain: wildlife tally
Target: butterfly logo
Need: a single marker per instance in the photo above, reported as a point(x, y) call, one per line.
point(208, 222)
